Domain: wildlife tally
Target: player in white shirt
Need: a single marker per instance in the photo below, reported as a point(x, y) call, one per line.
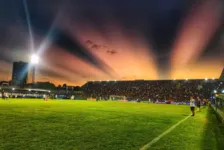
point(192, 105)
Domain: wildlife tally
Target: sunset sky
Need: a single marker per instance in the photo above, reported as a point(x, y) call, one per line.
point(81, 40)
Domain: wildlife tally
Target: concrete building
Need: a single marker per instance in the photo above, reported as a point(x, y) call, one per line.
point(19, 73)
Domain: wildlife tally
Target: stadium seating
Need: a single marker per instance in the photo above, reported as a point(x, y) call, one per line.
point(179, 90)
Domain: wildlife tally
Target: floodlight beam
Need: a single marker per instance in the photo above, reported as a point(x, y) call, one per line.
point(29, 24)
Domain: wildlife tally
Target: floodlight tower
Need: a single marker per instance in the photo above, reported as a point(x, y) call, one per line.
point(34, 62)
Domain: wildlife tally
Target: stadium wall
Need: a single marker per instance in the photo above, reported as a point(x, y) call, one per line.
point(218, 107)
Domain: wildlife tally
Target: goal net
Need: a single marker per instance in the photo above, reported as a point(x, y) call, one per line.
point(117, 98)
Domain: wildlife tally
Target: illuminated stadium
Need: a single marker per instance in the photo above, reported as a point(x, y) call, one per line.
point(112, 75)
point(114, 115)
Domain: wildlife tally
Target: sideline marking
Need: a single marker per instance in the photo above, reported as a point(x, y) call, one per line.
point(148, 145)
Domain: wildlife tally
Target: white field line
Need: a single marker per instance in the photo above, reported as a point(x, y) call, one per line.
point(148, 145)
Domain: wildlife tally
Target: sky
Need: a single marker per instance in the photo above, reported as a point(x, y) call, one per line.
point(85, 40)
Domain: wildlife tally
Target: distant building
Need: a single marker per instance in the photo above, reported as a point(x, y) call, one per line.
point(4, 83)
point(222, 75)
point(19, 73)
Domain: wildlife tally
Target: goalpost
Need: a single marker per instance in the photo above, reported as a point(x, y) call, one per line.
point(117, 98)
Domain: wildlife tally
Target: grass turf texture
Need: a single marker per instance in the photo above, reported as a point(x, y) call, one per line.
point(86, 125)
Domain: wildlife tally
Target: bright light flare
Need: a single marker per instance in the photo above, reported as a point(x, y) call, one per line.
point(34, 59)
point(215, 91)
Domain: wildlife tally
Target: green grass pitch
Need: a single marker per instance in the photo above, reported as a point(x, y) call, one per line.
point(89, 125)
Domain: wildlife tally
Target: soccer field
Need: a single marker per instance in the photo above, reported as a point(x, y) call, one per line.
point(90, 125)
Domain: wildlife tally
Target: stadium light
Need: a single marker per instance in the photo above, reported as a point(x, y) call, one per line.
point(34, 59)
point(215, 91)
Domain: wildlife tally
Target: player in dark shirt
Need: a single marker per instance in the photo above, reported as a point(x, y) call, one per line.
point(198, 103)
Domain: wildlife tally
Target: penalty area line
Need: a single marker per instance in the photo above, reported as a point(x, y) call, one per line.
point(148, 145)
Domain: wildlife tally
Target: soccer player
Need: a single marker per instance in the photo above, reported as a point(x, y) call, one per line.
point(3, 94)
point(198, 103)
point(192, 105)
point(44, 97)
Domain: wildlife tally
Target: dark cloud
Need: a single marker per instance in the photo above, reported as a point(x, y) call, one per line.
point(47, 72)
point(49, 75)
point(112, 52)
point(95, 46)
point(88, 42)
point(71, 71)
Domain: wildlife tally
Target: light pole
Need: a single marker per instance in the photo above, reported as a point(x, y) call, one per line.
point(34, 61)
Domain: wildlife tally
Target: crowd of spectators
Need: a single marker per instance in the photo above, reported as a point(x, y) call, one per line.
point(178, 90)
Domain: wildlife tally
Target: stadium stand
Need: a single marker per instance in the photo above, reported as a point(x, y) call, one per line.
point(179, 90)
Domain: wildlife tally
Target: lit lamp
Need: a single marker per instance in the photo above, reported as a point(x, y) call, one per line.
point(34, 61)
